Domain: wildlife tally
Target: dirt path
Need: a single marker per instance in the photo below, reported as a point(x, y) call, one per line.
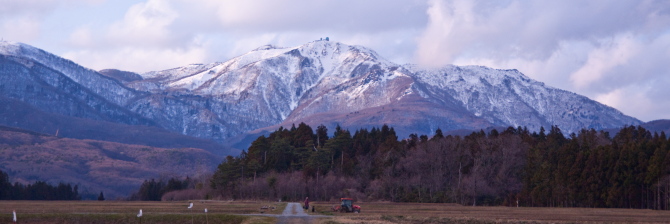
point(294, 213)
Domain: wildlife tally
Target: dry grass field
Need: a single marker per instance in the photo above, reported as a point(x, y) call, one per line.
point(113, 212)
point(384, 212)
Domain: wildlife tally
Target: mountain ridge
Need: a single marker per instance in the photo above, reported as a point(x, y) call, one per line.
point(42, 98)
point(230, 102)
point(334, 83)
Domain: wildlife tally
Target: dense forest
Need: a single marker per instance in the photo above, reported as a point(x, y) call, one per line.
point(511, 167)
point(152, 190)
point(39, 190)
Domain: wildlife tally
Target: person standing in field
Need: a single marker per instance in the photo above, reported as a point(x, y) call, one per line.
point(306, 202)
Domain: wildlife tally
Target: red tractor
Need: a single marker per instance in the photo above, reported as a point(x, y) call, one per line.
point(347, 205)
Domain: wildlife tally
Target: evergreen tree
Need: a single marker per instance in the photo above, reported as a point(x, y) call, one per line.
point(584, 169)
point(438, 134)
point(226, 175)
point(39, 190)
point(5, 186)
point(321, 135)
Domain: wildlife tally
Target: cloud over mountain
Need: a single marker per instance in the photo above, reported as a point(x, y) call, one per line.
point(614, 52)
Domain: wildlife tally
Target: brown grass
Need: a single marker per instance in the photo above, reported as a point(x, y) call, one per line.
point(132, 207)
point(112, 212)
point(384, 212)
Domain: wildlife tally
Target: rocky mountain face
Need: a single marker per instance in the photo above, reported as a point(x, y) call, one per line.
point(44, 93)
point(331, 83)
point(321, 82)
point(509, 98)
point(57, 85)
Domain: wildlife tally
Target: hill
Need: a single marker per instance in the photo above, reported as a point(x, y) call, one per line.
point(117, 169)
point(658, 126)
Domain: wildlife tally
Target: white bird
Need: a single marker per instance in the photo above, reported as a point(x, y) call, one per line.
point(205, 210)
point(191, 206)
point(14, 212)
point(139, 214)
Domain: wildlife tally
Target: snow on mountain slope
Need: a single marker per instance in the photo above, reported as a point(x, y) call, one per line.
point(108, 88)
point(336, 83)
point(255, 90)
point(509, 98)
point(57, 85)
point(333, 83)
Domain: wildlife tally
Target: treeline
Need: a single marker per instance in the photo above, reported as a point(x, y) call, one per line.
point(39, 190)
point(587, 169)
point(152, 190)
point(631, 170)
point(299, 162)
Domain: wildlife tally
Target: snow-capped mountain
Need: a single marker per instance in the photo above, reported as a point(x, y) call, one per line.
point(509, 98)
point(333, 83)
point(44, 93)
point(255, 90)
point(53, 84)
point(324, 82)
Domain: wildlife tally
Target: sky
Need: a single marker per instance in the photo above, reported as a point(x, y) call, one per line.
point(615, 52)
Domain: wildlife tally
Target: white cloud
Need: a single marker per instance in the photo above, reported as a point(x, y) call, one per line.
point(299, 15)
point(81, 37)
point(392, 45)
point(25, 7)
point(231, 28)
point(145, 39)
point(601, 61)
point(22, 28)
point(635, 99)
point(598, 48)
point(21, 20)
point(604, 50)
point(145, 24)
point(527, 29)
point(137, 59)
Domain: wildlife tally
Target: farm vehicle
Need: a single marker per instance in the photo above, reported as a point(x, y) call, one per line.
point(347, 205)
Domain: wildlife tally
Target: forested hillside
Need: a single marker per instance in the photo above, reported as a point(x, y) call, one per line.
point(588, 169)
point(117, 169)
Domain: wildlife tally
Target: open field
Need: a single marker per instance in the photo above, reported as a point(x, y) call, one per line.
point(384, 212)
point(112, 212)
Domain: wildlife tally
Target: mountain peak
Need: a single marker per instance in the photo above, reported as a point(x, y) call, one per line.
point(265, 47)
point(7, 46)
point(17, 49)
point(334, 83)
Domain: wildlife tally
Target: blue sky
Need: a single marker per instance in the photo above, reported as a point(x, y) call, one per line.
point(616, 52)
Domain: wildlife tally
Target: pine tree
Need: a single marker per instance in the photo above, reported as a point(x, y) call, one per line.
point(438, 134)
point(5, 186)
point(101, 197)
